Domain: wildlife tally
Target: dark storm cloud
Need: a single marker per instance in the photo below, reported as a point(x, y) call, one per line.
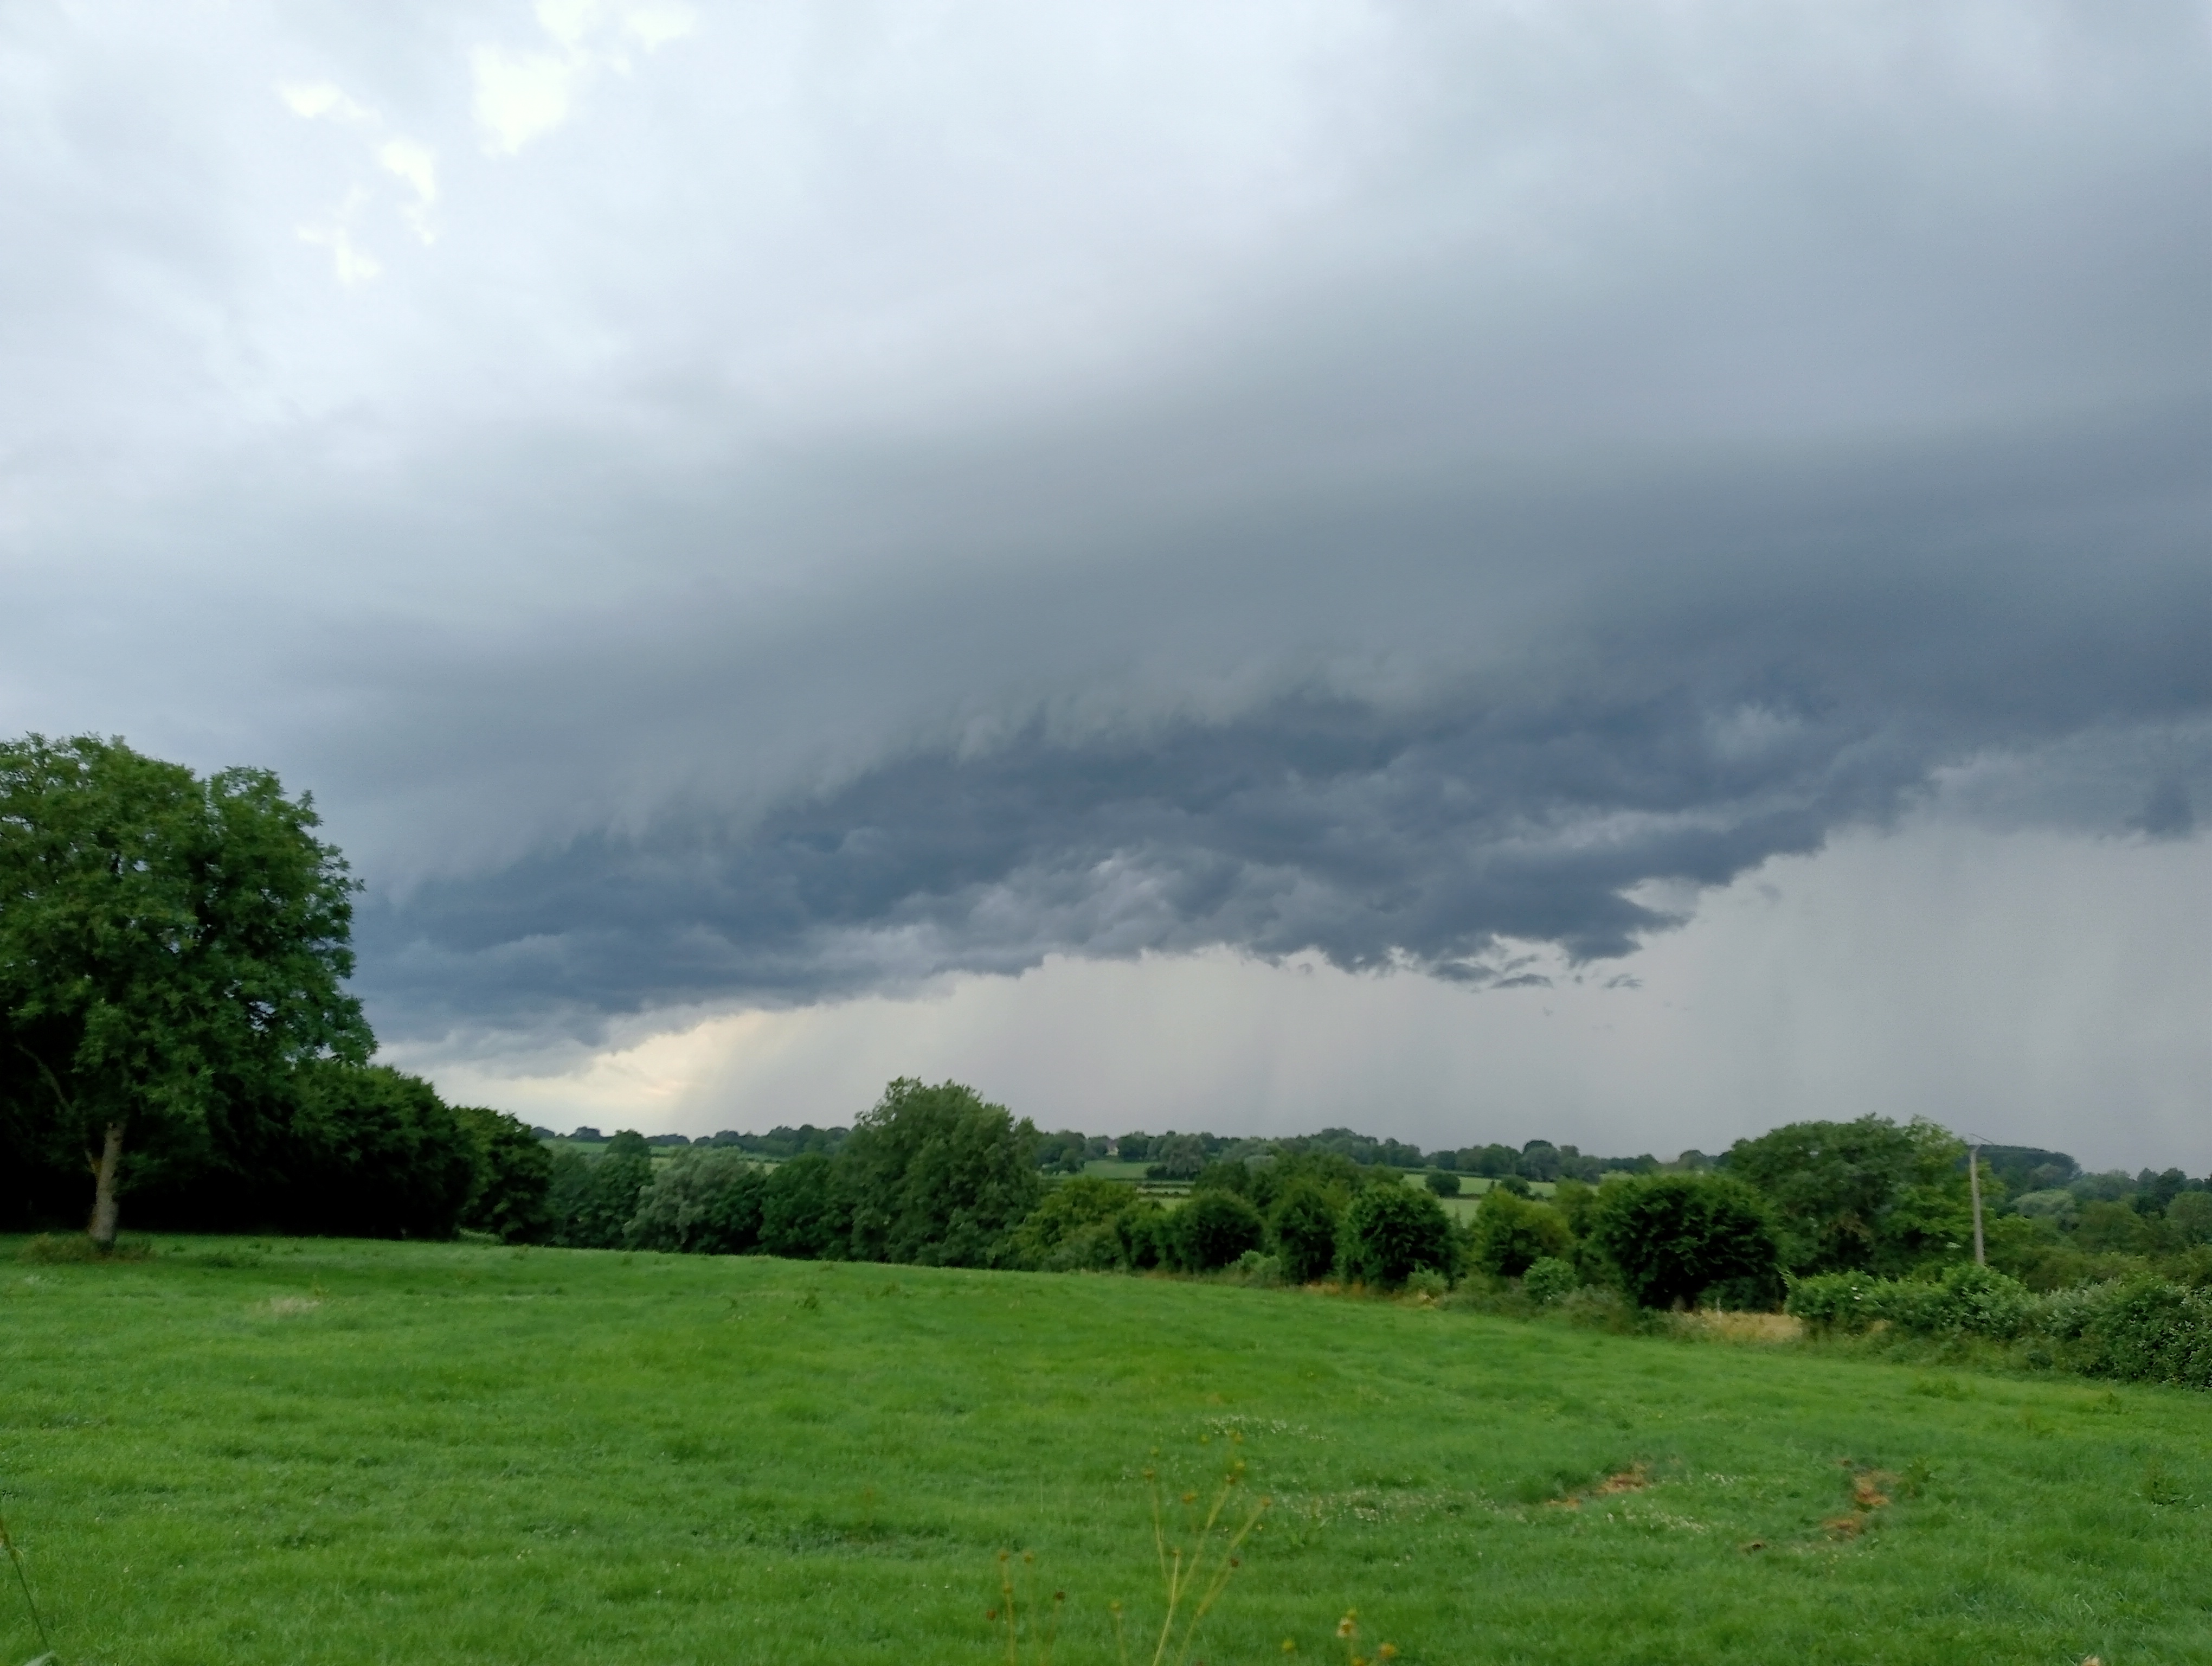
point(832, 509)
point(1813, 654)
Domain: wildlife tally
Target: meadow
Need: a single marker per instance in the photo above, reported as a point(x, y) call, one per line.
point(286, 1450)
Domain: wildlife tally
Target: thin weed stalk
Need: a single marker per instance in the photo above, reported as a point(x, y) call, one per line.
point(16, 1558)
point(1010, 1603)
point(1194, 1576)
point(1181, 1576)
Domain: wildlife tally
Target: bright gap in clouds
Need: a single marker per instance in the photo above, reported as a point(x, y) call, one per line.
point(2035, 988)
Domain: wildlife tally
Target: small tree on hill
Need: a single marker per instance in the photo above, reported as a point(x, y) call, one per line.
point(1391, 1232)
point(1673, 1236)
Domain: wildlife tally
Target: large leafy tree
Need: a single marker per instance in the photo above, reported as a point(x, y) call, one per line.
point(167, 943)
point(1868, 1194)
point(513, 1176)
point(707, 1201)
point(938, 1177)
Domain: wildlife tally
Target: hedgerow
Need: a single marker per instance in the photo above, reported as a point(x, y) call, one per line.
point(2143, 1330)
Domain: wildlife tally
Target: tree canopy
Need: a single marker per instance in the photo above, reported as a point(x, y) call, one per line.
point(1865, 1195)
point(169, 945)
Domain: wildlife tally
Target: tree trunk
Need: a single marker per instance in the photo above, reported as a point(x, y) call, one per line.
point(102, 1229)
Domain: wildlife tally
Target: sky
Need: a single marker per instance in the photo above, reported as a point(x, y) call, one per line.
point(1619, 575)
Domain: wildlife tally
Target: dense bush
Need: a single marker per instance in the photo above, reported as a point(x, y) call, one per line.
point(707, 1201)
point(1213, 1229)
point(1512, 1233)
point(2143, 1330)
point(1675, 1236)
point(1304, 1229)
point(2190, 1216)
point(1143, 1235)
point(1391, 1231)
point(1548, 1278)
point(1967, 1300)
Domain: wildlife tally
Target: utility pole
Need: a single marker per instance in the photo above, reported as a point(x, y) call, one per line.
point(1974, 1183)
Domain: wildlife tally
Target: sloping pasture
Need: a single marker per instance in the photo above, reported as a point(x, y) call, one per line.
point(338, 1451)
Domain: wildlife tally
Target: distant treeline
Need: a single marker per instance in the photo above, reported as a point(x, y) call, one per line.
point(777, 1144)
point(1173, 1156)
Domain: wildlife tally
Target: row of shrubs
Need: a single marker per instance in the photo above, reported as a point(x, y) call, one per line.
point(1320, 1223)
point(2138, 1330)
point(1662, 1240)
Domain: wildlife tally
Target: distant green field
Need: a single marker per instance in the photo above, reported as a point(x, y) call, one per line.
point(327, 1452)
point(1104, 1168)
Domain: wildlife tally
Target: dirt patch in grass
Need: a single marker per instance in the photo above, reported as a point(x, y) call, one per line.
point(1634, 1479)
point(1868, 1495)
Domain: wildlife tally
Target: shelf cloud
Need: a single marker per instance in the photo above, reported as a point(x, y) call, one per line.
point(832, 501)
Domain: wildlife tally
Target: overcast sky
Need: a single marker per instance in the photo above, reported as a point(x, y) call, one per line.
point(1625, 574)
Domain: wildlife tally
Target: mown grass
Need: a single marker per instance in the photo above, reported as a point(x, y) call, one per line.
point(366, 1452)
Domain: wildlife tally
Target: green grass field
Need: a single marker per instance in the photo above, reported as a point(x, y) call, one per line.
point(340, 1452)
